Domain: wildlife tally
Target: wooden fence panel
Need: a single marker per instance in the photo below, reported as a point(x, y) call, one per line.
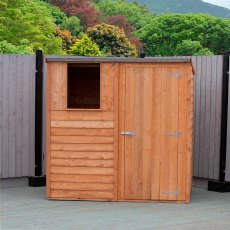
point(17, 111)
point(227, 172)
point(208, 88)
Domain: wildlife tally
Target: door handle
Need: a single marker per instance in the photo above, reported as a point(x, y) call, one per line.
point(128, 133)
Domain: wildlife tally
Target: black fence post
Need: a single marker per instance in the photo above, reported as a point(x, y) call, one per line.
point(39, 179)
point(221, 185)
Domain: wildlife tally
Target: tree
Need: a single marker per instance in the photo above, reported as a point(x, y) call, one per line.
point(190, 48)
point(67, 39)
point(137, 15)
point(85, 47)
point(111, 40)
point(8, 48)
point(166, 32)
point(22, 20)
point(72, 24)
point(121, 22)
point(83, 9)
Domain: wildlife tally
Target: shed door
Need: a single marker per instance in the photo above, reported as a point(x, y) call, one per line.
point(154, 144)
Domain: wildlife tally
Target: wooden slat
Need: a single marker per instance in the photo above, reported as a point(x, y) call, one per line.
point(208, 82)
point(100, 195)
point(58, 90)
point(81, 186)
point(182, 148)
point(109, 71)
point(189, 136)
point(82, 155)
point(169, 124)
point(5, 116)
point(196, 156)
point(156, 132)
point(82, 178)
point(129, 125)
point(32, 69)
point(213, 76)
point(121, 139)
point(81, 132)
point(82, 124)
point(81, 170)
point(212, 116)
point(12, 113)
point(136, 172)
point(82, 115)
point(202, 157)
point(82, 163)
point(147, 109)
point(26, 118)
point(48, 132)
point(83, 147)
point(227, 173)
point(82, 139)
point(219, 66)
point(116, 133)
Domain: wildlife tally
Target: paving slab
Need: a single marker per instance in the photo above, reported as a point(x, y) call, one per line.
point(28, 208)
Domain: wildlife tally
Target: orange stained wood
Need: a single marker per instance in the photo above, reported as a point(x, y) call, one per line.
point(89, 159)
point(81, 143)
point(155, 162)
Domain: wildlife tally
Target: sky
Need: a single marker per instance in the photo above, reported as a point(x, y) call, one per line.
point(224, 3)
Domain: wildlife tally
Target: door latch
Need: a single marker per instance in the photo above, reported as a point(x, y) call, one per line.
point(128, 133)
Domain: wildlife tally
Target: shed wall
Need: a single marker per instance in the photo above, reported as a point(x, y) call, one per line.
point(81, 147)
point(17, 115)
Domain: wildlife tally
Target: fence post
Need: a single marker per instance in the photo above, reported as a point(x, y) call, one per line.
point(221, 185)
point(39, 179)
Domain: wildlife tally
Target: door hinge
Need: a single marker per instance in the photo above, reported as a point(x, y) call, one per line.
point(177, 134)
point(172, 75)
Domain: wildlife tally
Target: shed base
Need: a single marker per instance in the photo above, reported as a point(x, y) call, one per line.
point(218, 186)
point(37, 181)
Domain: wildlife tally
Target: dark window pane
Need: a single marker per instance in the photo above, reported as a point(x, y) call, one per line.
point(84, 86)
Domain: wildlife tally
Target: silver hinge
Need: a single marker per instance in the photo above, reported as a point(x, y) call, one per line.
point(172, 75)
point(128, 133)
point(177, 134)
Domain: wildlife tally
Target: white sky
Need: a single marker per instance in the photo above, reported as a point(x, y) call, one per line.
point(224, 3)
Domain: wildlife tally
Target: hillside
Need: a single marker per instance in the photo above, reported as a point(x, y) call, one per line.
point(184, 6)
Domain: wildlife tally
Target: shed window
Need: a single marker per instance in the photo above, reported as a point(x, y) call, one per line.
point(83, 86)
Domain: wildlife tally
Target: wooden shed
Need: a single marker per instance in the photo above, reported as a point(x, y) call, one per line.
point(119, 129)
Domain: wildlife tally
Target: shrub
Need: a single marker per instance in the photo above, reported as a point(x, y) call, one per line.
point(85, 47)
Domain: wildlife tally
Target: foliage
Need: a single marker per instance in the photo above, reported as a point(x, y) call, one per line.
point(85, 47)
point(30, 20)
point(8, 48)
point(184, 7)
point(137, 15)
point(67, 39)
point(83, 9)
point(73, 24)
point(54, 11)
point(190, 48)
point(121, 22)
point(111, 40)
point(166, 32)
